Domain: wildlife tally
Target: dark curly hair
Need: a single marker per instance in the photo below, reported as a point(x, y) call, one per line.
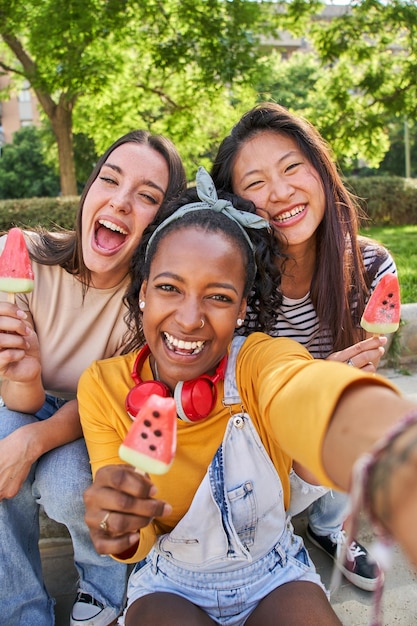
point(261, 271)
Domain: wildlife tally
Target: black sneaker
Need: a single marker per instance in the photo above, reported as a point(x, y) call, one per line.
point(359, 567)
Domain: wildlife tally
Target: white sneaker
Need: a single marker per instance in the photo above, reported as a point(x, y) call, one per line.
point(87, 611)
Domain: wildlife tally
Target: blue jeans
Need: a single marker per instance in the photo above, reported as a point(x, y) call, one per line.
point(57, 481)
point(327, 514)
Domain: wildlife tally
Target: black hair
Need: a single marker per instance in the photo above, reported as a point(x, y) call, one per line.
point(340, 284)
point(262, 240)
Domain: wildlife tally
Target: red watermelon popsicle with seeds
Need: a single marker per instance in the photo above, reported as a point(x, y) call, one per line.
point(382, 312)
point(16, 275)
point(151, 441)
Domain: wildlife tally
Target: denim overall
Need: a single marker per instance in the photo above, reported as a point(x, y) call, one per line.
point(235, 544)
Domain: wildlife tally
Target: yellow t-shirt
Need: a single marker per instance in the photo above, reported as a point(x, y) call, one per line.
point(281, 388)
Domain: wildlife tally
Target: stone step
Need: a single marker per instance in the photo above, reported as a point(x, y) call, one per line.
point(49, 529)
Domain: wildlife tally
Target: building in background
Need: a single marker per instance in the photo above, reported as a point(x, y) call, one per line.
point(18, 110)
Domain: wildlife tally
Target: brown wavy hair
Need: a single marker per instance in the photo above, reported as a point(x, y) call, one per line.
point(64, 248)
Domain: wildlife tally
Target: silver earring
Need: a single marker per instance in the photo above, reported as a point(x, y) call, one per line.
point(141, 304)
point(202, 323)
point(239, 321)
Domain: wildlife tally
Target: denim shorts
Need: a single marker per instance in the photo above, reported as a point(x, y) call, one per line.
point(227, 597)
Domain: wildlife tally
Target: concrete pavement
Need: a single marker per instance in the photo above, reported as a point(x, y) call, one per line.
point(351, 604)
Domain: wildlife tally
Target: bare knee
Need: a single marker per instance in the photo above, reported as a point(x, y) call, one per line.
point(165, 609)
point(299, 603)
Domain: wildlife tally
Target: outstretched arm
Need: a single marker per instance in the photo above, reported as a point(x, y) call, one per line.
point(391, 489)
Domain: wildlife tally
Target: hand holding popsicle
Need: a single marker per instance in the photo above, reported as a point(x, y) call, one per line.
point(125, 516)
point(19, 346)
point(364, 355)
point(20, 359)
point(382, 312)
point(16, 274)
point(149, 447)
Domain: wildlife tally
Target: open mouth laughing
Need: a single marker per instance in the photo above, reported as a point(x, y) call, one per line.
point(109, 235)
point(179, 346)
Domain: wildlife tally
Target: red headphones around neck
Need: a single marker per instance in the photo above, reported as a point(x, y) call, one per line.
point(195, 399)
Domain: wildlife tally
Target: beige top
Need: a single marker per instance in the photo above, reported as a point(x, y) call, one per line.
point(72, 333)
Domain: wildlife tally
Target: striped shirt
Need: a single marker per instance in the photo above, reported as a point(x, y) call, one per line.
point(297, 318)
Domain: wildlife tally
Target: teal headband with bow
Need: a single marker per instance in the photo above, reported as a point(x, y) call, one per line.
point(207, 193)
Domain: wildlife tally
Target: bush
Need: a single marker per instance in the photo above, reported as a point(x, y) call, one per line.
point(386, 201)
point(51, 213)
point(389, 200)
point(23, 170)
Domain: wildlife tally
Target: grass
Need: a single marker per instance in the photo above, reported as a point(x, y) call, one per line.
point(401, 241)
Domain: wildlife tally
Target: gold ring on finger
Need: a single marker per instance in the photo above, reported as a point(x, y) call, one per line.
point(103, 524)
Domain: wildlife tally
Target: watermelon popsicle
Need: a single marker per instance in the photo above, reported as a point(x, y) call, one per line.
point(382, 312)
point(151, 441)
point(16, 275)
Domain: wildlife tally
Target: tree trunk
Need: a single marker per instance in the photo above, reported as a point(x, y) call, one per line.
point(60, 115)
point(62, 126)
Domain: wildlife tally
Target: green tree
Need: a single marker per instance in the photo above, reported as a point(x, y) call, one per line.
point(23, 170)
point(370, 56)
point(88, 49)
point(176, 105)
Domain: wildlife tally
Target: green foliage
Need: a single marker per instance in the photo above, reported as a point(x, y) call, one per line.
point(67, 42)
point(217, 36)
point(23, 170)
point(305, 87)
point(394, 160)
point(401, 241)
point(189, 68)
point(370, 56)
point(52, 213)
point(128, 63)
point(194, 118)
point(362, 83)
point(387, 200)
point(85, 156)
point(291, 83)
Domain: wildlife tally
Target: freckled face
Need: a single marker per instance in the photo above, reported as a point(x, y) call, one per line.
point(195, 275)
point(272, 171)
point(120, 203)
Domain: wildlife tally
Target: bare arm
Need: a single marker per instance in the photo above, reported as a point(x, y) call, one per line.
point(361, 419)
point(25, 445)
point(363, 415)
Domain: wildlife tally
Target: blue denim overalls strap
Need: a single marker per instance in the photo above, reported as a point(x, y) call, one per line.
point(302, 493)
point(237, 513)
